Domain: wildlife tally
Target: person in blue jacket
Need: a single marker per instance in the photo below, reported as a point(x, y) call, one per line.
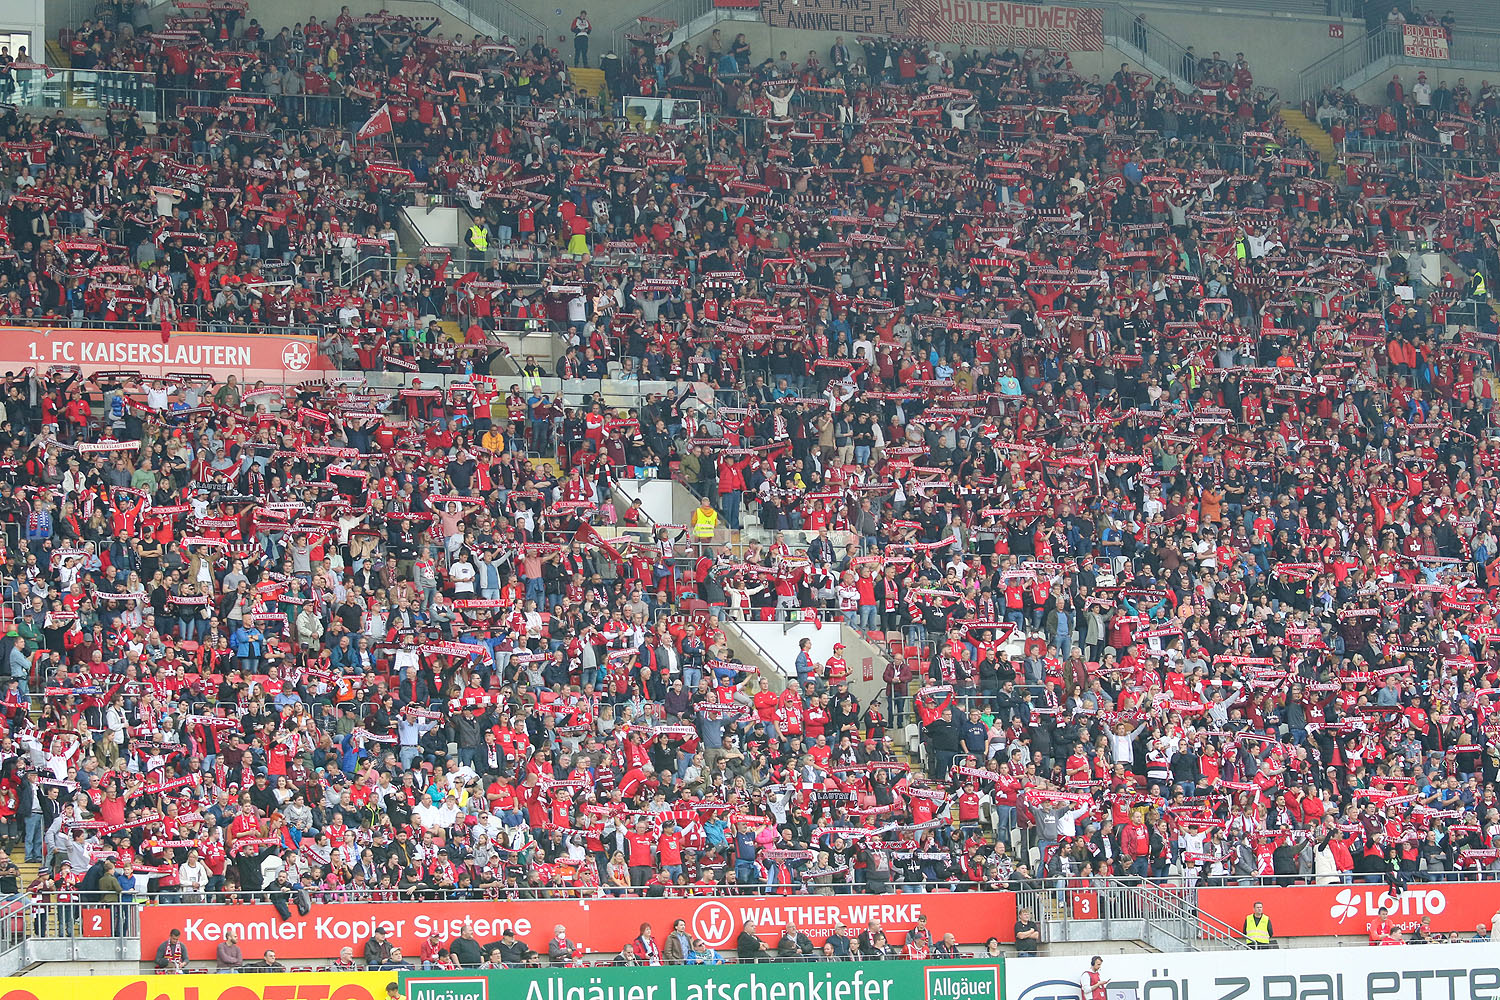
point(249, 646)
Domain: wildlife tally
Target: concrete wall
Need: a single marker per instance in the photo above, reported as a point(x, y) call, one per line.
point(96, 969)
point(1278, 46)
point(26, 17)
point(557, 16)
point(55, 15)
point(274, 14)
point(1373, 91)
point(437, 226)
point(780, 642)
point(655, 496)
point(768, 41)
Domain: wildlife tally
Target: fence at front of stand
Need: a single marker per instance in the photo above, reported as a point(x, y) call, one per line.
point(49, 89)
point(22, 918)
point(42, 91)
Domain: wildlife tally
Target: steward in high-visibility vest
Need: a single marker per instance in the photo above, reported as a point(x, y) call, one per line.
point(479, 236)
point(703, 522)
point(1477, 290)
point(1258, 928)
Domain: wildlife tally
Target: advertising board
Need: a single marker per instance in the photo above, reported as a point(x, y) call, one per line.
point(602, 926)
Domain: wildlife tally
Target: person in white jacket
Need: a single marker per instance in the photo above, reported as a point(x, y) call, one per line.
point(1325, 865)
point(1122, 743)
point(192, 878)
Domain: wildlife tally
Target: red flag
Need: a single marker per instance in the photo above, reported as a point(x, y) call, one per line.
point(587, 533)
point(379, 123)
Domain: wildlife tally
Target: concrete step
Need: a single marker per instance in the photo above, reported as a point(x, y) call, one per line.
point(1312, 133)
point(589, 80)
point(57, 55)
point(28, 869)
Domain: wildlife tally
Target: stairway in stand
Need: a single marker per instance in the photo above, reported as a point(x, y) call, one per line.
point(57, 55)
point(588, 80)
point(1312, 133)
point(29, 869)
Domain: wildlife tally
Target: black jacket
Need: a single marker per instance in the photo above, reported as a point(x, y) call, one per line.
point(24, 791)
point(466, 951)
point(794, 946)
point(748, 948)
point(944, 736)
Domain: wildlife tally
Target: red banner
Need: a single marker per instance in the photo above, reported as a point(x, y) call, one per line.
point(994, 24)
point(274, 357)
point(599, 925)
point(1335, 910)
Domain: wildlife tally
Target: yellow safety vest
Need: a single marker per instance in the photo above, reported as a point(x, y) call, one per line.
point(704, 522)
point(1258, 933)
point(478, 238)
point(1480, 291)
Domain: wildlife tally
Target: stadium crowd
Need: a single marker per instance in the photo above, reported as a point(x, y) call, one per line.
point(1153, 447)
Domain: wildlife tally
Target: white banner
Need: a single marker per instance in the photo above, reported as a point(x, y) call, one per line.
point(1424, 41)
point(1409, 972)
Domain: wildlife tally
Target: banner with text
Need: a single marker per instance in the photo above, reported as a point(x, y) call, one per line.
point(964, 980)
point(949, 22)
point(1334, 910)
point(601, 926)
point(1416, 972)
point(211, 986)
point(1007, 25)
point(1424, 41)
point(269, 356)
point(852, 17)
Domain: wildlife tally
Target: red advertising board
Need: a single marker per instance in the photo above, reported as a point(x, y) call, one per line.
point(1335, 910)
point(600, 925)
point(269, 356)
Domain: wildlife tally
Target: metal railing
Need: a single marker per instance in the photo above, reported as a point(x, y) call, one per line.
point(315, 110)
point(1168, 911)
point(680, 13)
point(1470, 47)
point(14, 925)
point(100, 90)
point(1167, 898)
point(85, 89)
point(1467, 48)
point(76, 919)
point(101, 324)
point(1133, 28)
point(497, 18)
point(648, 113)
point(1348, 59)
